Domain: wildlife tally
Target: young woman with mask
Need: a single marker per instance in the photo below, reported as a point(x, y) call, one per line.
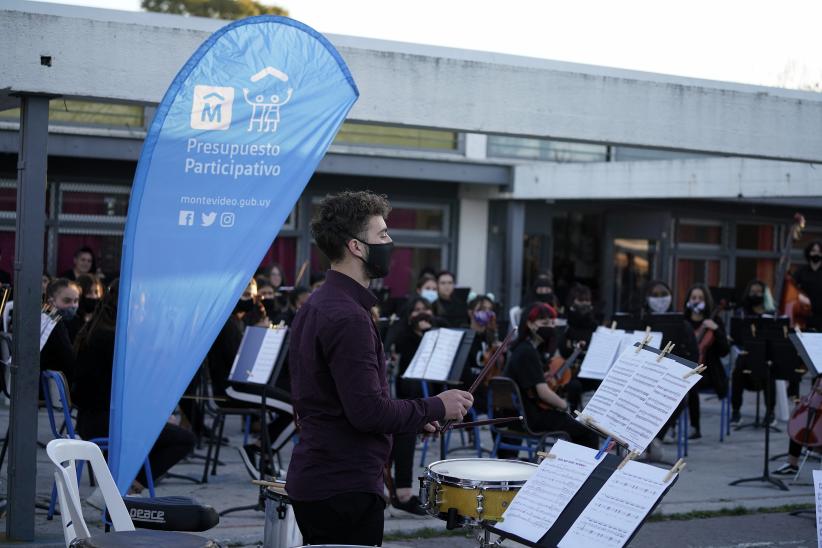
point(658, 300)
point(544, 409)
point(91, 292)
point(542, 291)
point(581, 327)
point(483, 321)
point(808, 278)
point(713, 346)
point(757, 301)
point(420, 320)
point(58, 353)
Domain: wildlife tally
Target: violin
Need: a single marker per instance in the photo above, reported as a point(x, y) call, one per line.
point(805, 426)
point(558, 371)
point(498, 367)
point(705, 337)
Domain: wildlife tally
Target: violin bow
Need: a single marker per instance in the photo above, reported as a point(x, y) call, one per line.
point(485, 370)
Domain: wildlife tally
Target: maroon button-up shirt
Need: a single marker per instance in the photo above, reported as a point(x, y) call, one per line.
point(340, 393)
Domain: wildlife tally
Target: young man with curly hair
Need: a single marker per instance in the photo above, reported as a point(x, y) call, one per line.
point(339, 382)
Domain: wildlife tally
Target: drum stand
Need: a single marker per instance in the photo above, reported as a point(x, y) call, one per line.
point(483, 537)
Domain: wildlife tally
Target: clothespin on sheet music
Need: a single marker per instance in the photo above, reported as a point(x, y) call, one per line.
point(665, 351)
point(675, 469)
point(630, 456)
point(613, 325)
point(645, 340)
point(798, 331)
point(695, 371)
point(544, 455)
point(280, 325)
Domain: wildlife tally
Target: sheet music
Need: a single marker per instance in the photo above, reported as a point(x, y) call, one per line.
point(600, 353)
point(813, 346)
point(628, 340)
point(440, 362)
point(416, 369)
point(638, 396)
point(817, 488)
point(618, 508)
point(47, 324)
point(541, 500)
point(435, 356)
point(267, 356)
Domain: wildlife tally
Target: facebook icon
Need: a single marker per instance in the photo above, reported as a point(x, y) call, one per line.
point(186, 218)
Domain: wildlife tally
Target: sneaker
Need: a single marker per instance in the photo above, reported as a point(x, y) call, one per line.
point(695, 434)
point(786, 469)
point(412, 506)
point(96, 500)
point(248, 454)
point(771, 421)
point(736, 418)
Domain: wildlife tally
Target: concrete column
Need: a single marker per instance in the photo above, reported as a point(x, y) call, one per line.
point(514, 232)
point(472, 247)
point(28, 268)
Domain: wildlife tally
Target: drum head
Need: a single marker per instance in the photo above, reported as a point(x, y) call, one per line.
point(482, 471)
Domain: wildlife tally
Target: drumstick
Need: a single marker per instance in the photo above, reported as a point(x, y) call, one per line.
point(486, 422)
point(485, 370)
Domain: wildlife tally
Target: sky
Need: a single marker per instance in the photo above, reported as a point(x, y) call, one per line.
point(754, 42)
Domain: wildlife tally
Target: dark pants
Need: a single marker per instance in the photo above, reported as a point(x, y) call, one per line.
point(738, 385)
point(172, 445)
point(402, 452)
point(349, 518)
point(693, 408)
point(575, 388)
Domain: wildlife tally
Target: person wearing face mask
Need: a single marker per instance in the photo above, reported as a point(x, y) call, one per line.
point(544, 409)
point(581, 327)
point(541, 292)
point(427, 287)
point(58, 353)
point(451, 312)
point(756, 302)
point(808, 278)
point(91, 291)
point(483, 321)
point(675, 329)
point(339, 382)
point(420, 319)
point(713, 346)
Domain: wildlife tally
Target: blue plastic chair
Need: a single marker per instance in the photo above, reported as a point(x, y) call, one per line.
point(54, 386)
point(504, 396)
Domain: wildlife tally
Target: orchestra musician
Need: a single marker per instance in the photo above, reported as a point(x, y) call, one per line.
point(808, 278)
point(581, 327)
point(544, 409)
point(713, 346)
point(339, 382)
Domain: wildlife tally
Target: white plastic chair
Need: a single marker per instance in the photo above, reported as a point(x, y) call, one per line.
point(67, 451)
point(63, 453)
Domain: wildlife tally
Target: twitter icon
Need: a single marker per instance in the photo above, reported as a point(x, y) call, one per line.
point(208, 218)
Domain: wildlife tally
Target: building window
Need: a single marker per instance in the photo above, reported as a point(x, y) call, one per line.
point(699, 233)
point(755, 237)
point(694, 271)
point(545, 150)
point(398, 137)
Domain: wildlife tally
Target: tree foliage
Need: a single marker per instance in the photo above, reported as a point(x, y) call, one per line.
point(216, 9)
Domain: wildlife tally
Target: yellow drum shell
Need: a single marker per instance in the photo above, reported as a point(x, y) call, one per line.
point(479, 489)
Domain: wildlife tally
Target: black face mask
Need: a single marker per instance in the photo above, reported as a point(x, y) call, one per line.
point(548, 336)
point(815, 259)
point(87, 305)
point(244, 305)
point(581, 316)
point(424, 317)
point(754, 300)
point(378, 262)
point(271, 308)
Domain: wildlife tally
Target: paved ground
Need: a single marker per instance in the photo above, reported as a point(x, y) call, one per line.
point(702, 486)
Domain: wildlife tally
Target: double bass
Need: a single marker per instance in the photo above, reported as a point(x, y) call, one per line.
point(787, 297)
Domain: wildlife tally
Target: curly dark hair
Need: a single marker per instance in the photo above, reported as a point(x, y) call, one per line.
point(343, 216)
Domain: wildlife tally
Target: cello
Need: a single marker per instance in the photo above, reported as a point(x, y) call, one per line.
point(805, 426)
point(787, 297)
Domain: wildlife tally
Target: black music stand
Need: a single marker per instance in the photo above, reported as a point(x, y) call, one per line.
point(766, 338)
point(239, 379)
point(454, 377)
point(576, 506)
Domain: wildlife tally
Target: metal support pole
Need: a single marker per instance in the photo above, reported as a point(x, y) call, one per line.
point(514, 233)
point(28, 269)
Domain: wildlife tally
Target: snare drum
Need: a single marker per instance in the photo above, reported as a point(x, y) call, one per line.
point(280, 525)
point(475, 489)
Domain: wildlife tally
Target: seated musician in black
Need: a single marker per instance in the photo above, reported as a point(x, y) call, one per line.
point(544, 409)
point(483, 320)
point(581, 327)
point(809, 279)
point(710, 334)
point(757, 301)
